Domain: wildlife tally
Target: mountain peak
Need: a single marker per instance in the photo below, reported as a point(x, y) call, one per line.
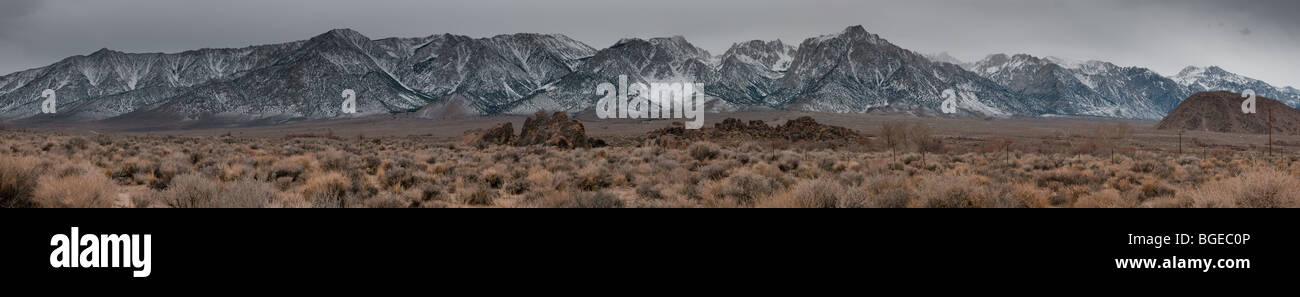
point(999, 62)
point(944, 57)
point(1025, 57)
point(104, 51)
point(628, 40)
point(858, 31)
point(1188, 72)
point(998, 58)
point(1196, 70)
point(675, 39)
point(1065, 62)
point(343, 33)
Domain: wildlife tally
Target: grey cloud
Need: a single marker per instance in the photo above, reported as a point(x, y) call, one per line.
point(13, 12)
point(1165, 35)
point(10, 9)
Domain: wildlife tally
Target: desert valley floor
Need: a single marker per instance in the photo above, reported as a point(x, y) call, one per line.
point(401, 161)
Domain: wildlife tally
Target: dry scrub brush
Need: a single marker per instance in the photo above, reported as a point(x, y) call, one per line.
point(52, 170)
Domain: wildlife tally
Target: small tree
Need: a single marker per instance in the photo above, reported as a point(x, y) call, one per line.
point(1180, 142)
point(894, 134)
point(1004, 144)
point(925, 141)
point(1117, 135)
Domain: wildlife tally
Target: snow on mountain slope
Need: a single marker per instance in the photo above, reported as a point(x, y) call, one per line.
point(749, 71)
point(302, 79)
point(1092, 88)
point(1213, 78)
point(666, 59)
point(444, 75)
point(945, 58)
point(856, 71)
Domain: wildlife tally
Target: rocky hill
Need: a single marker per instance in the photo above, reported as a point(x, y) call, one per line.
point(1221, 112)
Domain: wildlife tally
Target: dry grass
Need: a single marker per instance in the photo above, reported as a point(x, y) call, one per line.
point(75, 190)
point(51, 170)
point(1262, 188)
point(18, 180)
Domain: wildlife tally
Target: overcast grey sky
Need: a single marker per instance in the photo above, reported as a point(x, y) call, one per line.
point(1257, 38)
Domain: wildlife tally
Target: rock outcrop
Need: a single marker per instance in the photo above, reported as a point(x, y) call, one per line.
point(556, 130)
point(803, 129)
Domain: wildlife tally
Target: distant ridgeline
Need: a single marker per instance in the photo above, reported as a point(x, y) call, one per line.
point(851, 71)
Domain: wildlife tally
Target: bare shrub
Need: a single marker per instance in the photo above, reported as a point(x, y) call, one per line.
point(747, 187)
point(789, 162)
point(599, 199)
point(703, 151)
point(1260, 188)
point(714, 171)
point(83, 190)
point(1154, 190)
point(403, 178)
point(925, 141)
point(18, 180)
point(895, 136)
point(246, 193)
point(649, 191)
point(1065, 177)
point(950, 191)
point(167, 170)
point(77, 143)
point(494, 178)
point(541, 178)
point(1154, 167)
point(286, 168)
point(1106, 198)
point(592, 179)
point(336, 160)
point(133, 168)
point(889, 192)
point(517, 186)
point(326, 190)
point(429, 192)
point(192, 191)
point(819, 194)
point(386, 200)
point(479, 196)
point(1023, 196)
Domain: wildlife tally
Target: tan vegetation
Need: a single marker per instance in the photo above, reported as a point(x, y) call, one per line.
point(909, 166)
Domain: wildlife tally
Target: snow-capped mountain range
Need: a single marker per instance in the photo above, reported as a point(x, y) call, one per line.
point(856, 71)
point(1097, 88)
point(852, 71)
point(652, 60)
point(1091, 88)
point(1214, 78)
